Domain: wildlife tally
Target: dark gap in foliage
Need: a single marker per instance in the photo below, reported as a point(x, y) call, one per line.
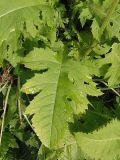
point(95, 117)
point(111, 23)
point(86, 83)
point(36, 27)
point(24, 152)
point(40, 15)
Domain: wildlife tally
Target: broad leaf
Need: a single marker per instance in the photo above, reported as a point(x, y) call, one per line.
point(65, 83)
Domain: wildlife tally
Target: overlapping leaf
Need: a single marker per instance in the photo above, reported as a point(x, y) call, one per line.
point(102, 144)
point(15, 14)
point(17, 17)
point(106, 19)
point(70, 151)
point(105, 15)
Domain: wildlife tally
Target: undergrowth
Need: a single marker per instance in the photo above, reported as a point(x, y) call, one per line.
point(60, 80)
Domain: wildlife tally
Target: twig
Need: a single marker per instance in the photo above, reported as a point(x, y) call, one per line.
point(115, 92)
point(26, 118)
point(4, 112)
point(112, 88)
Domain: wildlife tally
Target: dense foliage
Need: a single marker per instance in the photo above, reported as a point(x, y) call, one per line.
point(60, 80)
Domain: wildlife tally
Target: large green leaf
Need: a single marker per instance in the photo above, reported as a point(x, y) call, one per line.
point(102, 144)
point(62, 89)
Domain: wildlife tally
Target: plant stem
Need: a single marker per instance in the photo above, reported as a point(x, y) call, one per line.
point(19, 101)
point(115, 92)
point(4, 112)
point(26, 118)
point(3, 86)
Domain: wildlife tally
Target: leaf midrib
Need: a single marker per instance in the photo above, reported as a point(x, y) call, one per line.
point(102, 140)
point(57, 87)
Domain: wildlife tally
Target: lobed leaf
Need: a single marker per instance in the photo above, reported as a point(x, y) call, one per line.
point(64, 82)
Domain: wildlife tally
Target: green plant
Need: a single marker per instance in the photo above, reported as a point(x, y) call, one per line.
point(60, 81)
